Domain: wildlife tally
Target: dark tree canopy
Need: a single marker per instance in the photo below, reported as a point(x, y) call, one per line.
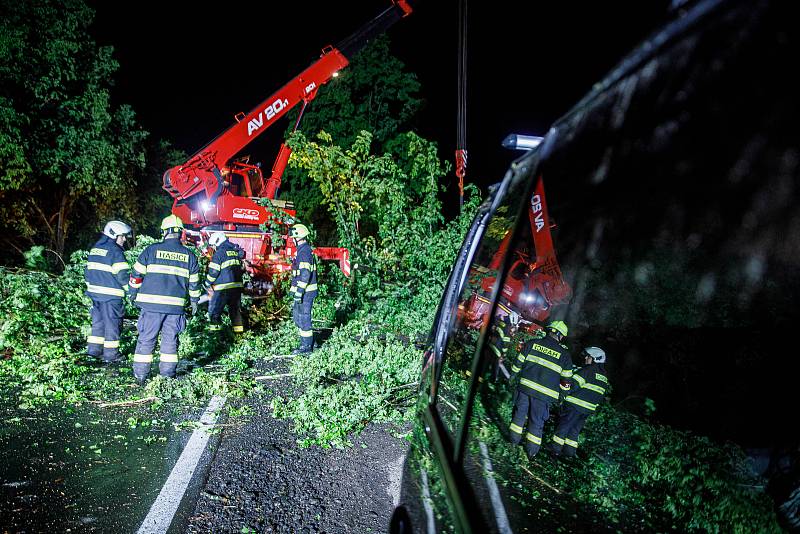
point(67, 156)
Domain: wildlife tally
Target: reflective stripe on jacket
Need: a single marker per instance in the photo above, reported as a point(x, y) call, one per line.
point(225, 268)
point(543, 364)
point(163, 275)
point(589, 386)
point(304, 272)
point(106, 271)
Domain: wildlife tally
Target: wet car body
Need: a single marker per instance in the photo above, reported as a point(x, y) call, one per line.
point(687, 150)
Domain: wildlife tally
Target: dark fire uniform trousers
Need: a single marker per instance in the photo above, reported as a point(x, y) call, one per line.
point(589, 385)
point(162, 276)
point(304, 291)
point(106, 275)
point(542, 365)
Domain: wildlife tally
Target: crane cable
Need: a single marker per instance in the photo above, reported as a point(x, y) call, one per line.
point(461, 119)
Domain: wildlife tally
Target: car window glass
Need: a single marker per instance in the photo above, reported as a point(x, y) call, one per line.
point(474, 306)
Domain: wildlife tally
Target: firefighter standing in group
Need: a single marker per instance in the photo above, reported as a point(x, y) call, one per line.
point(304, 288)
point(589, 386)
point(544, 365)
point(224, 282)
point(163, 276)
point(106, 275)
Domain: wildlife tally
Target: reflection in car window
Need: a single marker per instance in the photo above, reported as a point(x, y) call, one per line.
point(474, 306)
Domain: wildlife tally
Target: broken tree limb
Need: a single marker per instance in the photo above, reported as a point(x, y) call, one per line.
point(273, 377)
point(127, 403)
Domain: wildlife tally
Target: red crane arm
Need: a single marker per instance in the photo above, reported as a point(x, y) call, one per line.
point(203, 172)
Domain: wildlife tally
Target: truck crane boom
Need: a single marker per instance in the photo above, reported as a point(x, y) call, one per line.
point(213, 190)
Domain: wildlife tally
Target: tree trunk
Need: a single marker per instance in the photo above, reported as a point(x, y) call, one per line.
point(62, 224)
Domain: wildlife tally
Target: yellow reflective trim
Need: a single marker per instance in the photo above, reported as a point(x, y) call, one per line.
point(311, 287)
point(214, 265)
point(160, 299)
point(229, 285)
point(102, 290)
point(194, 277)
point(558, 440)
point(571, 443)
point(597, 389)
point(514, 369)
point(601, 378)
point(142, 358)
point(566, 373)
point(544, 363)
point(125, 287)
point(138, 267)
point(119, 266)
point(306, 333)
point(111, 344)
point(540, 388)
point(95, 266)
point(515, 429)
point(168, 269)
point(238, 329)
point(98, 252)
point(168, 358)
point(533, 439)
point(496, 351)
point(301, 284)
point(194, 293)
point(583, 403)
point(230, 263)
point(579, 379)
point(97, 340)
point(305, 265)
point(214, 327)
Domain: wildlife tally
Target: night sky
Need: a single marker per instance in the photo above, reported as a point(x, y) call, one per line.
point(187, 70)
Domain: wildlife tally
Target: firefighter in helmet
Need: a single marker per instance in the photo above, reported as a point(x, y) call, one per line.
point(589, 386)
point(544, 365)
point(224, 282)
point(106, 275)
point(304, 288)
point(162, 278)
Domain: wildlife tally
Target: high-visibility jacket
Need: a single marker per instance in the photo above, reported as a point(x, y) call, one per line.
point(501, 337)
point(163, 275)
point(225, 268)
point(544, 365)
point(589, 386)
point(106, 271)
point(304, 272)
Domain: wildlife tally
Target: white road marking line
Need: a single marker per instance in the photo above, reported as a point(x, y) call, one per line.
point(395, 478)
point(494, 493)
point(426, 503)
point(166, 504)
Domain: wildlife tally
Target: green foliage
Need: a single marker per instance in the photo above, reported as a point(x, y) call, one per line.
point(63, 147)
point(356, 377)
point(678, 477)
point(374, 94)
point(386, 209)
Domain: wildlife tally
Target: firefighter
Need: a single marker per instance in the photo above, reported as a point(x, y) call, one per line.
point(589, 386)
point(544, 365)
point(224, 283)
point(499, 342)
point(304, 288)
point(106, 276)
point(162, 276)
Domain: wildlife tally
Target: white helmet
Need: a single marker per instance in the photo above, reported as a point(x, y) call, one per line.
point(216, 239)
point(595, 353)
point(115, 229)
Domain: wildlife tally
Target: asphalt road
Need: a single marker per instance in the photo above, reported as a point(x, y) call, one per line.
point(260, 480)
